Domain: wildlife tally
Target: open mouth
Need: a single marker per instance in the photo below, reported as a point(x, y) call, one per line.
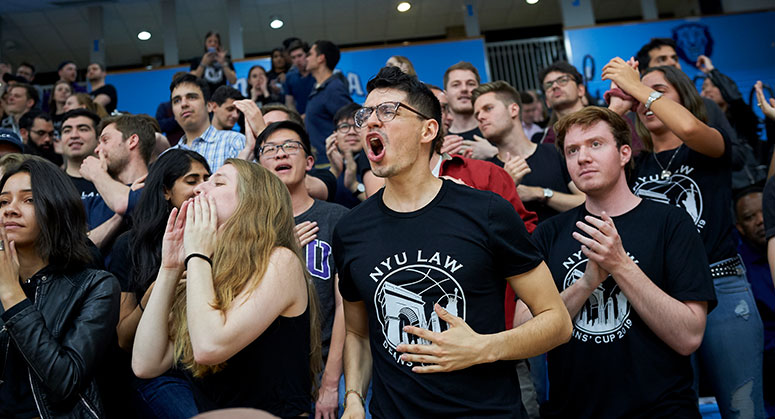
point(282, 168)
point(376, 146)
point(649, 113)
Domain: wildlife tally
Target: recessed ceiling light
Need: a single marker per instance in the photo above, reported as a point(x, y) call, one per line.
point(276, 23)
point(144, 36)
point(531, 1)
point(403, 6)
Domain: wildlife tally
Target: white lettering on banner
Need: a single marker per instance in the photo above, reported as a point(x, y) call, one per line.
point(354, 80)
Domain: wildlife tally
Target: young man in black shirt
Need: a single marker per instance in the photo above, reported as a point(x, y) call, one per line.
point(538, 170)
point(421, 266)
point(638, 291)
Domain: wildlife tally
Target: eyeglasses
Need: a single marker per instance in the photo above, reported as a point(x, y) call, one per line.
point(385, 112)
point(561, 81)
point(289, 147)
point(344, 127)
point(41, 133)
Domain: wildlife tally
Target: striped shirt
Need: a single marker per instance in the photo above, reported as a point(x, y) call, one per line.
point(215, 146)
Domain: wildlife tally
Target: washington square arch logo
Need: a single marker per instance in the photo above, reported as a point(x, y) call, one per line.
point(605, 316)
point(409, 285)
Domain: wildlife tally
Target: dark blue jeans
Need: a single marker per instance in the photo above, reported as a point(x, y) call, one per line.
point(167, 396)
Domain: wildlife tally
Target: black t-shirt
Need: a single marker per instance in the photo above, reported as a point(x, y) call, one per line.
point(698, 184)
point(548, 170)
point(768, 208)
point(213, 74)
point(456, 251)
point(320, 262)
point(86, 188)
point(109, 90)
point(468, 135)
point(120, 263)
point(614, 365)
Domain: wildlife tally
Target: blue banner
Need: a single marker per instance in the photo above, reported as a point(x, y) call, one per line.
point(142, 91)
point(741, 46)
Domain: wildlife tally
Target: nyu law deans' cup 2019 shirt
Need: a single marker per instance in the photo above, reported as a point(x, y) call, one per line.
point(457, 252)
point(614, 366)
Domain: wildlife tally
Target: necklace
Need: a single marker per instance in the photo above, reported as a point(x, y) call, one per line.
point(666, 173)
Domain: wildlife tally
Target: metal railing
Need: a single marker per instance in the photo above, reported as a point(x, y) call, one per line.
point(518, 62)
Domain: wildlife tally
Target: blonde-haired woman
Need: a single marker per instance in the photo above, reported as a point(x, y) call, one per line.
point(240, 324)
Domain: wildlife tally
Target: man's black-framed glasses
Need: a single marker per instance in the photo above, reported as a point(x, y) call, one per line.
point(344, 127)
point(289, 147)
point(386, 111)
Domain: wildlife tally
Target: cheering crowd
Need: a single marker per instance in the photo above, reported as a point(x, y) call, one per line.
point(463, 250)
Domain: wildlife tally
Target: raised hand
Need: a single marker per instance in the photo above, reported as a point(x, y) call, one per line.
point(201, 226)
point(622, 73)
point(768, 107)
point(172, 252)
point(704, 64)
point(334, 155)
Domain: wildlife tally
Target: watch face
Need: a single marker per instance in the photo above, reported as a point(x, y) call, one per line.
point(361, 187)
point(548, 193)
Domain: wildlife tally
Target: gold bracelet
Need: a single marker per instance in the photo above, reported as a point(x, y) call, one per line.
point(357, 393)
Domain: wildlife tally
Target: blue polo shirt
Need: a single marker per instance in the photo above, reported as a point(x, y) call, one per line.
point(215, 146)
point(322, 104)
point(299, 87)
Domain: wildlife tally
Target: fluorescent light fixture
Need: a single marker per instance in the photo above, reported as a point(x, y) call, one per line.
point(276, 22)
point(144, 36)
point(531, 1)
point(403, 6)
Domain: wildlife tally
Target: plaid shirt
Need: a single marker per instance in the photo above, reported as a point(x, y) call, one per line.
point(215, 146)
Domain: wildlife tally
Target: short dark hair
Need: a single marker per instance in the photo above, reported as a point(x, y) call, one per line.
point(463, 65)
point(275, 126)
point(59, 213)
point(223, 93)
point(296, 44)
point(330, 50)
point(526, 97)
point(417, 95)
point(191, 79)
point(27, 64)
point(32, 92)
point(100, 65)
point(293, 115)
point(739, 194)
point(589, 116)
point(73, 113)
point(129, 125)
point(64, 63)
point(560, 67)
point(346, 112)
point(28, 119)
point(287, 42)
point(643, 54)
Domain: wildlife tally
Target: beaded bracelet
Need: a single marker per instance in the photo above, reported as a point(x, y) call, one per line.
point(357, 393)
point(197, 255)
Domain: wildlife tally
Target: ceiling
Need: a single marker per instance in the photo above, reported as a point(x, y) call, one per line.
point(47, 32)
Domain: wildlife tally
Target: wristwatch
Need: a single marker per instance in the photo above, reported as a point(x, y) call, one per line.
point(548, 193)
point(653, 96)
point(361, 188)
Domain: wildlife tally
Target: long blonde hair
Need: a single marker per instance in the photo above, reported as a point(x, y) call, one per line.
point(262, 221)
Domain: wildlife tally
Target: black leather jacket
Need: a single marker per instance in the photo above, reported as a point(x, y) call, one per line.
point(62, 336)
